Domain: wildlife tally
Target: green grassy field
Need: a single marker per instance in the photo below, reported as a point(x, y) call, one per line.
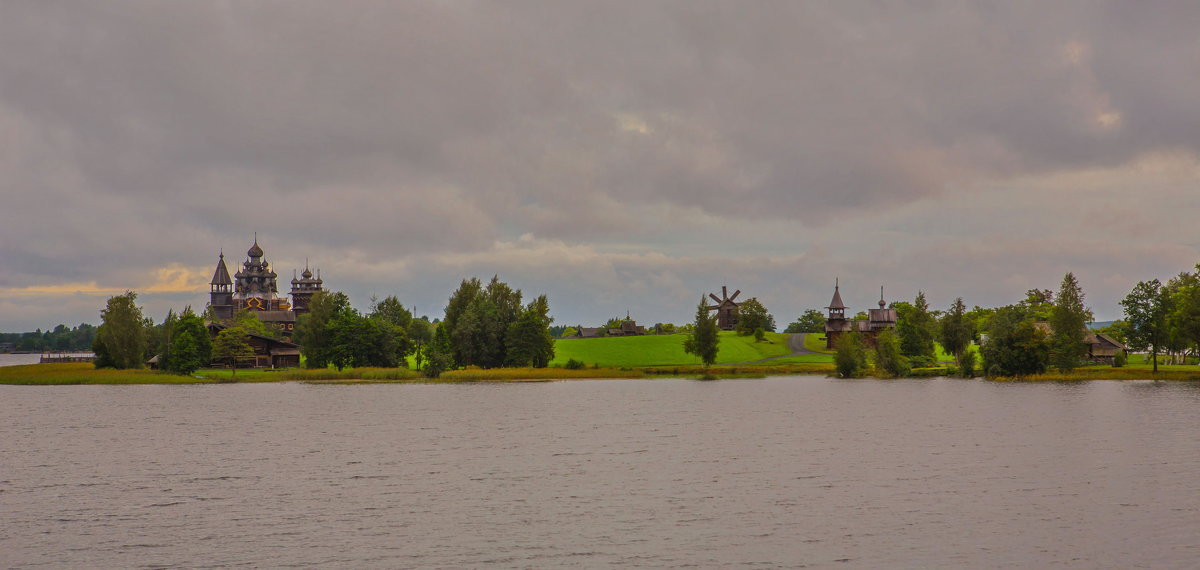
point(619, 357)
point(663, 350)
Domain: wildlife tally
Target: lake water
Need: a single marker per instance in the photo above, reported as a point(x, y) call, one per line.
point(779, 472)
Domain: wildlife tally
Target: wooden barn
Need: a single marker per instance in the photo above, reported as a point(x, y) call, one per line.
point(268, 352)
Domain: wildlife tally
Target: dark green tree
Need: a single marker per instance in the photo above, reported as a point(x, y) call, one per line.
point(395, 322)
point(889, 361)
point(1146, 311)
point(957, 330)
point(704, 340)
point(1038, 304)
point(198, 347)
point(753, 316)
point(420, 333)
point(121, 340)
point(185, 354)
point(478, 320)
point(917, 330)
point(441, 354)
point(1068, 323)
point(529, 341)
point(812, 321)
point(850, 356)
point(230, 346)
point(248, 320)
point(312, 328)
point(1014, 347)
point(165, 337)
point(1173, 293)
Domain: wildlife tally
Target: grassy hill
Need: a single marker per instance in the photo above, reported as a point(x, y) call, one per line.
point(663, 350)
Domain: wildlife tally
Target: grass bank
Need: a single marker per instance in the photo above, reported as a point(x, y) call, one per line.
point(664, 350)
point(1176, 373)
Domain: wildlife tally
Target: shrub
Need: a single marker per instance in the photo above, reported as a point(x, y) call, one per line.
point(924, 361)
point(573, 364)
point(850, 357)
point(1119, 359)
point(968, 364)
point(888, 360)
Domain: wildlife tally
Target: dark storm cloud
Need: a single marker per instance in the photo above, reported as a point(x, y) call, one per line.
point(139, 134)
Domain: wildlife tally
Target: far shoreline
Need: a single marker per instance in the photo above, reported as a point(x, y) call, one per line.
point(64, 374)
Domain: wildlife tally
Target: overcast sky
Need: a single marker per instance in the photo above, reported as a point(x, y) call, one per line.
point(612, 155)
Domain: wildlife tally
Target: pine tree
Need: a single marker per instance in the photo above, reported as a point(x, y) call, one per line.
point(1068, 321)
point(703, 341)
point(917, 330)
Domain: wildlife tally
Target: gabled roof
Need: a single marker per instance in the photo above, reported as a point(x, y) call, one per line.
point(221, 275)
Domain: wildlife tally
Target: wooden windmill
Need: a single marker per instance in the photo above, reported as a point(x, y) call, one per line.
point(727, 310)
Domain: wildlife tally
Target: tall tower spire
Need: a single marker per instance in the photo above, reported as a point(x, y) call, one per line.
point(220, 292)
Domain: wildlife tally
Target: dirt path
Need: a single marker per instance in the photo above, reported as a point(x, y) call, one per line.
point(795, 342)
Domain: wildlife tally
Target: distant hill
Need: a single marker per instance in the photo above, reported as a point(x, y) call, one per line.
point(1099, 324)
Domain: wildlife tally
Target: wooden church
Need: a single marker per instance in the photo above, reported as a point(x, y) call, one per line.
point(255, 288)
point(836, 323)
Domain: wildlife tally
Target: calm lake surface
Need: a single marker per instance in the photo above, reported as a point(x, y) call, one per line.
point(781, 472)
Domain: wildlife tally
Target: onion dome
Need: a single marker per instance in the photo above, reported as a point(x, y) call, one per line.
point(254, 250)
point(294, 280)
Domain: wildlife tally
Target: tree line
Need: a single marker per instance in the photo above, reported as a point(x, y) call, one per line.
point(487, 326)
point(60, 338)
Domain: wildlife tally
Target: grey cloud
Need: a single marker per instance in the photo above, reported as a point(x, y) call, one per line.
point(138, 134)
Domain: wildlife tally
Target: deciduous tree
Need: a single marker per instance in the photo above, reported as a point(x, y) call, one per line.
point(957, 331)
point(917, 329)
point(889, 360)
point(231, 345)
point(1014, 347)
point(528, 340)
point(812, 321)
point(187, 356)
point(312, 328)
point(1146, 311)
point(850, 356)
point(753, 316)
point(121, 340)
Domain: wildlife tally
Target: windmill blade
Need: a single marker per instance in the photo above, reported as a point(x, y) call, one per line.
point(714, 297)
point(735, 294)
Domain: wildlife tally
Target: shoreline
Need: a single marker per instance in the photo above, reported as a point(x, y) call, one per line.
point(65, 374)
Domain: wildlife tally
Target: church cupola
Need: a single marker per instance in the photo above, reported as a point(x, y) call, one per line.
point(303, 289)
point(255, 252)
point(837, 309)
